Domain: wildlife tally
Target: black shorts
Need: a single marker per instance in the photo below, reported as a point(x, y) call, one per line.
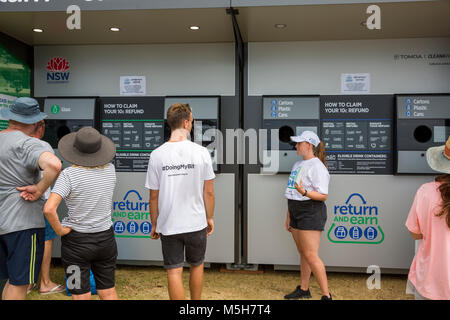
point(307, 215)
point(174, 246)
point(81, 252)
point(21, 256)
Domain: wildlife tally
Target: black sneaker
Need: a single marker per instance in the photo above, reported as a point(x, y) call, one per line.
point(326, 298)
point(298, 293)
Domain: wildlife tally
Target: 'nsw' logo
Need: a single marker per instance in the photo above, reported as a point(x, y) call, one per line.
point(57, 70)
point(58, 65)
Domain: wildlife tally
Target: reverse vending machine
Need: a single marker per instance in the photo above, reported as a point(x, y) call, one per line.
point(205, 111)
point(64, 116)
point(206, 114)
point(367, 204)
point(423, 121)
point(136, 125)
point(290, 115)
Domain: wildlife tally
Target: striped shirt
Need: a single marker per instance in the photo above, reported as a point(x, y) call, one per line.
point(88, 194)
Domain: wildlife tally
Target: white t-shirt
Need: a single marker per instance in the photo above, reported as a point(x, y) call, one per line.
point(314, 175)
point(178, 170)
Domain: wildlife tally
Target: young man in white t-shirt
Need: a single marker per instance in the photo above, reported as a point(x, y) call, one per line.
point(181, 182)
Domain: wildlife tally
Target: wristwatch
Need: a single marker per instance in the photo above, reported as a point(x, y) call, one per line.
point(305, 193)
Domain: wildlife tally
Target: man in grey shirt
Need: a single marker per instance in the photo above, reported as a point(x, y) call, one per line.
point(22, 228)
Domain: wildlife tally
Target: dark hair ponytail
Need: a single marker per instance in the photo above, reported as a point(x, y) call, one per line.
point(444, 188)
point(320, 153)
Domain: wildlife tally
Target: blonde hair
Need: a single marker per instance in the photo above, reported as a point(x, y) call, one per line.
point(88, 168)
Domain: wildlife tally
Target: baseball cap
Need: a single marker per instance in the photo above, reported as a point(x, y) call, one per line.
point(307, 136)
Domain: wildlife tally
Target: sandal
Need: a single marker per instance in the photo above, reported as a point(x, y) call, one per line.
point(59, 288)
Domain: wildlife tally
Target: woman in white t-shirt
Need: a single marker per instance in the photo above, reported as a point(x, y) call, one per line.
point(306, 192)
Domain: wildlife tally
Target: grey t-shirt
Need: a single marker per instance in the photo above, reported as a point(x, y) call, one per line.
point(19, 156)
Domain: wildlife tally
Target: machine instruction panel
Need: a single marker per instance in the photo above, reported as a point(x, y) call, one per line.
point(136, 128)
point(357, 133)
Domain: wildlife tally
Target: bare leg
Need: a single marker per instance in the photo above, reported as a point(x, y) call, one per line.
point(175, 280)
point(305, 273)
point(46, 282)
point(196, 282)
point(85, 296)
point(108, 294)
point(305, 269)
point(12, 292)
point(310, 242)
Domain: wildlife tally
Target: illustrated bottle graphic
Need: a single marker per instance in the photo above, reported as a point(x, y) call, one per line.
point(370, 234)
point(119, 227)
point(146, 227)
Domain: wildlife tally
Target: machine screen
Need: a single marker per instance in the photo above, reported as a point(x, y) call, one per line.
point(56, 129)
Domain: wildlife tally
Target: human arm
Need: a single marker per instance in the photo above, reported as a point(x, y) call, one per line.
point(413, 222)
point(209, 200)
point(51, 167)
point(154, 195)
point(50, 212)
point(288, 222)
point(416, 236)
point(313, 195)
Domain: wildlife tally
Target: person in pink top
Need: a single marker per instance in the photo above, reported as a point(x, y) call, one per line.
point(429, 220)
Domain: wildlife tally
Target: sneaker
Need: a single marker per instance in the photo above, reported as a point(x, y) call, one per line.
point(326, 298)
point(298, 293)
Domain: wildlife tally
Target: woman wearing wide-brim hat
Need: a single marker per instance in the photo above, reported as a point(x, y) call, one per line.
point(429, 220)
point(87, 234)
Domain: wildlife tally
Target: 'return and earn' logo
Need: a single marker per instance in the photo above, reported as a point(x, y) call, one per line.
point(356, 222)
point(131, 218)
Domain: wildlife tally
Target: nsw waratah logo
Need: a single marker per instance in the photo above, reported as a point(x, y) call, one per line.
point(57, 70)
point(356, 221)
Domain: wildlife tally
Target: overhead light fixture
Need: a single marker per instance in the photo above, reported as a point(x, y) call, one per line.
point(38, 30)
point(280, 25)
point(114, 29)
point(194, 27)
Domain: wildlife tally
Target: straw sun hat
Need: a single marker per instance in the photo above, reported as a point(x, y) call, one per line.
point(438, 158)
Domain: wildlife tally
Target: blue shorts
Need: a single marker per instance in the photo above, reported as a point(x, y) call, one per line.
point(21, 256)
point(50, 234)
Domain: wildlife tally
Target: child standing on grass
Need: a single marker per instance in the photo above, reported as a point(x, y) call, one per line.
point(86, 233)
